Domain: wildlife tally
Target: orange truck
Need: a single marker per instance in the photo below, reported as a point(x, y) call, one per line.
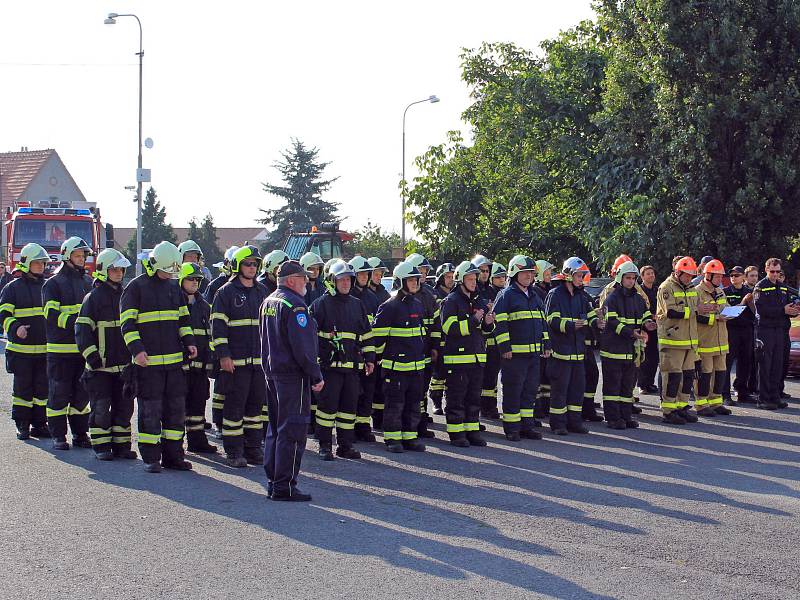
point(49, 223)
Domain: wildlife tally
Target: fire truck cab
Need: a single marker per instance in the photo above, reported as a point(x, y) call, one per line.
point(326, 240)
point(48, 224)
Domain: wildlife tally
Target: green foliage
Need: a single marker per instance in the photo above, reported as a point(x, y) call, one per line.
point(205, 235)
point(371, 240)
point(155, 228)
point(666, 127)
point(301, 171)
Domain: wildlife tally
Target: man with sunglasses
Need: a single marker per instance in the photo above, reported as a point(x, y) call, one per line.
point(236, 343)
point(773, 306)
point(740, 337)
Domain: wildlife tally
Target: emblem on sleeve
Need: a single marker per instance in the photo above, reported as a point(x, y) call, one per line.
point(302, 320)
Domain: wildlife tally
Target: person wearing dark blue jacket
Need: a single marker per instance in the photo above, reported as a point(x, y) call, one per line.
point(522, 338)
point(497, 283)
point(568, 313)
point(402, 342)
point(345, 351)
point(466, 322)
point(289, 358)
point(773, 305)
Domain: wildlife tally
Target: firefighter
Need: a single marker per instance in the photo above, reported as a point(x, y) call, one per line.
point(497, 282)
point(224, 274)
point(271, 262)
point(466, 320)
point(290, 354)
point(313, 264)
point(198, 369)
point(568, 315)
point(485, 275)
point(217, 397)
point(740, 337)
point(345, 351)
point(235, 341)
point(623, 340)
point(99, 338)
point(544, 275)
point(157, 329)
point(22, 318)
point(192, 253)
point(376, 281)
point(591, 372)
point(676, 315)
point(773, 305)
point(401, 342)
point(647, 370)
point(444, 285)
point(428, 300)
point(522, 339)
point(377, 287)
point(360, 289)
point(62, 295)
point(712, 336)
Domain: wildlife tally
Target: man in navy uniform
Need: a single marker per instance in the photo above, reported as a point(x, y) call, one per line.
point(289, 358)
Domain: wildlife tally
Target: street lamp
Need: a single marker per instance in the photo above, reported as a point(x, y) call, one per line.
point(433, 100)
point(112, 20)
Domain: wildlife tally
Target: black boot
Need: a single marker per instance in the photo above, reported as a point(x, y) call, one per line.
point(197, 442)
point(721, 410)
point(81, 441)
point(674, 418)
point(363, 433)
point(616, 424)
point(253, 456)
point(414, 445)
point(60, 443)
point(23, 431)
point(395, 446)
point(124, 451)
point(530, 434)
point(40, 431)
point(347, 452)
point(177, 465)
point(326, 452)
point(104, 455)
point(689, 415)
point(152, 467)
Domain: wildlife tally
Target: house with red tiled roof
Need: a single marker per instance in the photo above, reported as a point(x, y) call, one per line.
point(33, 176)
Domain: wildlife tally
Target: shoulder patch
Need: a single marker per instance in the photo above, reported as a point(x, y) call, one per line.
point(302, 319)
point(299, 309)
point(666, 294)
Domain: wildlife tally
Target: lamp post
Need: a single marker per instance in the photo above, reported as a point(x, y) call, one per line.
point(433, 100)
point(112, 20)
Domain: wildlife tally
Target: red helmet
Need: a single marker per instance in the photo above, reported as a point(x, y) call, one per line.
point(587, 274)
point(622, 258)
point(714, 267)
point(686, 265)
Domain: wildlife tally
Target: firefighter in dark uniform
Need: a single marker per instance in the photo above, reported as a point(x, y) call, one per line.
point(740, 337)
point(236, 345)
point(192, 253)
point(622, 346)
point(522, 338)
point(773, 305)
point(377, 287)
point(62, 295)
point(345, 350)
point(591, 372)
point(22, 318)
point(361, 289)
point(426, 296)
point(289, 353)
point(544, 275)
point(497, 283)
point(444, 285)
point(315, 288)
point(466, 321)
point(223, 277)
point(568, 313)
point(401, 342)
point(199, 368)
point(217, 397)
point(271, 262)
point(99, 338)
point(485, 275)
point(157, 329)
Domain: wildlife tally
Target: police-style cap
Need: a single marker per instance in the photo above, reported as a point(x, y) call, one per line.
point(706, 259)
point(737, 269)
point(291, 267)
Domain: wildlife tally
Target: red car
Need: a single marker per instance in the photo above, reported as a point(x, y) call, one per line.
point(794, 354)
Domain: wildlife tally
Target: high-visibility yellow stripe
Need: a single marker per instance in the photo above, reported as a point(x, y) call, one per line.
point(89, 350)
point(157, 315)
point(573, 357)
point(62, 348)
point(525, 348)
point(243, 323)
point(605, 354)
point(221, 316)
point(35, 311)
point(26, 348)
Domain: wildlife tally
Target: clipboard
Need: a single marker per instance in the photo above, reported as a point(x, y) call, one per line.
point(732, 311)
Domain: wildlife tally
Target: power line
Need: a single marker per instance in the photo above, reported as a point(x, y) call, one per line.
point(23, 64)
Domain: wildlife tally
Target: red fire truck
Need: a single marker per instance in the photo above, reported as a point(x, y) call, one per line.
point(48, 224)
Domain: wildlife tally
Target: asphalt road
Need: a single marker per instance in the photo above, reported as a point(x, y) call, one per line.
point(702, 511)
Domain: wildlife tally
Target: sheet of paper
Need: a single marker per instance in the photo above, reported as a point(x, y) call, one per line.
point(732, 311)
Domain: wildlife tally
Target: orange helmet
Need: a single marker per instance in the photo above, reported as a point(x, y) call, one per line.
point(687, 265)
point(714, 267)
point(622, 258)
point(587, 274)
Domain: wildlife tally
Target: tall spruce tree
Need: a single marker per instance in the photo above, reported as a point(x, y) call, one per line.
point(155, 228)
point(303, 205)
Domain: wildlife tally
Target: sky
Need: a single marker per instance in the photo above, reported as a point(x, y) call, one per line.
point(227, 85)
